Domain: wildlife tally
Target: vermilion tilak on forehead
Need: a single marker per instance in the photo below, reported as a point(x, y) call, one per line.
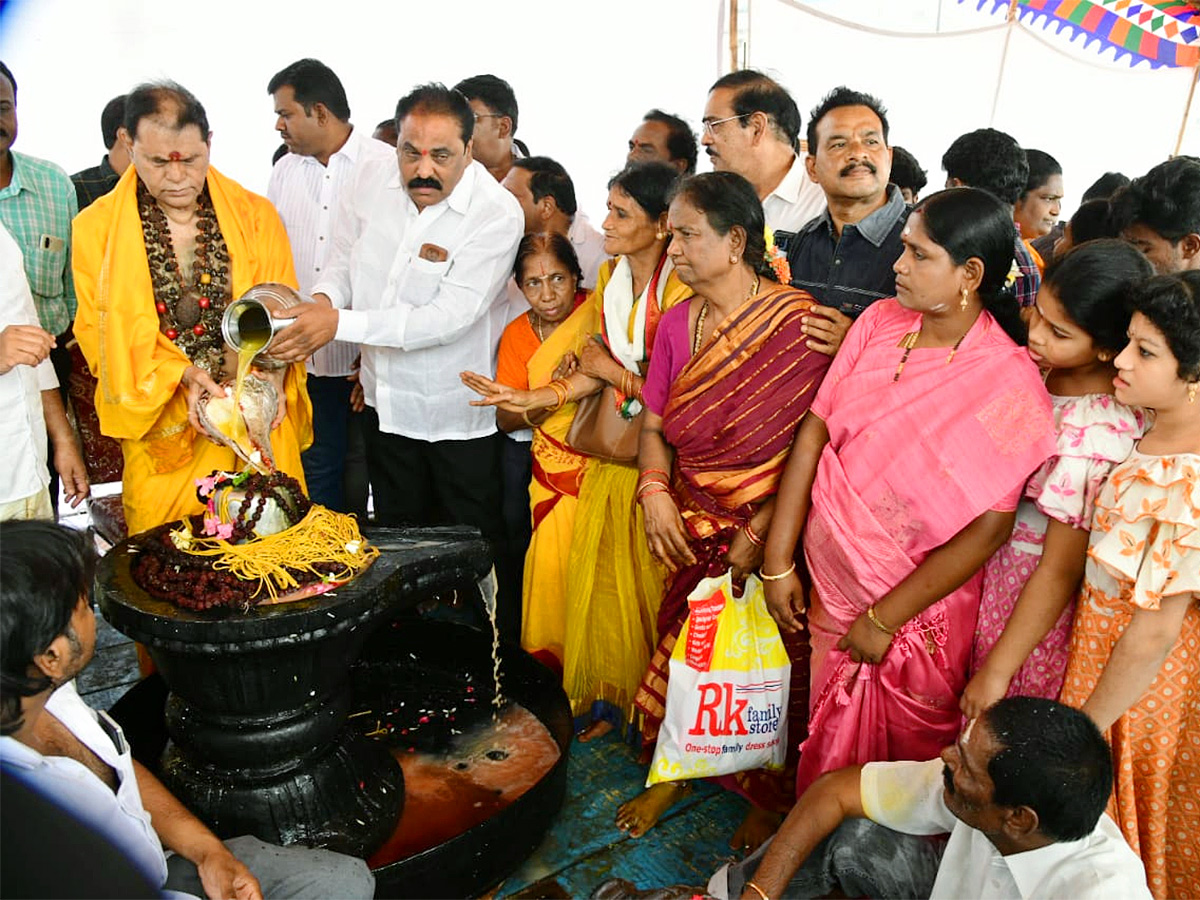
point(175, 156)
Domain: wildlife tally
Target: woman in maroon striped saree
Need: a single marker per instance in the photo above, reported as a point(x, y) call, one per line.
point(730, 378)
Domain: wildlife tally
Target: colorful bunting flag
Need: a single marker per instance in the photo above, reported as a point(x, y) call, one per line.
point(1161, 32)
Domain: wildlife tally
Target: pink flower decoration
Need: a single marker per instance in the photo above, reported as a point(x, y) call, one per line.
point(225, 531)
point(206, 485)
point(1063, 488)
point(211, 525)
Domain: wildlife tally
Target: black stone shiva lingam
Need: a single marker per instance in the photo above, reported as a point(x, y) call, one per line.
point(258, 704)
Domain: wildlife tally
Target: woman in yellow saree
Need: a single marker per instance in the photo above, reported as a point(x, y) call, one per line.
point(613, 585)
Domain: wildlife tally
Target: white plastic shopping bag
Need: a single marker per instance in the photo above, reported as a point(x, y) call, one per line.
point(727, 693)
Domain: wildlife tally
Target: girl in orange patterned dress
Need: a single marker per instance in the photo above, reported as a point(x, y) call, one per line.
point(1135, 651)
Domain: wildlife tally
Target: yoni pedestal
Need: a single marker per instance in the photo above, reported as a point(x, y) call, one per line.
point(259, 700)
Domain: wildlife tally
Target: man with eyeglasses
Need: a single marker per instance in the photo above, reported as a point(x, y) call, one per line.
point(416, 276)
point(752, 127)
point(495, 107)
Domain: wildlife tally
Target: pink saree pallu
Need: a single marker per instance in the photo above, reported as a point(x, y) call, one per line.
point(910, 463)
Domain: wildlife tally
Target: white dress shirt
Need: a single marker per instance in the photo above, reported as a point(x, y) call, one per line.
point(23, 469)
point(589, 247)
point(795, 200)
point(306, 195)
point(120, 817)
point(419, 322)
point(908, 797)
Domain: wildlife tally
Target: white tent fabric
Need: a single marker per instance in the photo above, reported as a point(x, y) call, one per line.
point(1091, 114)
point(584, 73)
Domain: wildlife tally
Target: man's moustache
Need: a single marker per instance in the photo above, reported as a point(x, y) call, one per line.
point(417, 183)
point(870, 167)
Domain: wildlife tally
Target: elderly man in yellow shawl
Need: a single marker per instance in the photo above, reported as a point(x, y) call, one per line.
point(156, 261)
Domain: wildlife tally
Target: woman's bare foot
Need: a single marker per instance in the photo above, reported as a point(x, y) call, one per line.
point(597, 729)
point(758, 825)
point(638, 815)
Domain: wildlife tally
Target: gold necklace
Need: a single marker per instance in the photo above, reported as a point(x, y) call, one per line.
point(699, 330)
point(699, 327)
point(537, 324)
point(910, 340)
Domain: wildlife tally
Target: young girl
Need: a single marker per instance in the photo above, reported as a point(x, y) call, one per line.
point(1135, 654)
point(1075, 332)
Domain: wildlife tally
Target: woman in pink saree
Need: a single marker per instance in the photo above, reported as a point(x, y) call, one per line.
point(908, 470)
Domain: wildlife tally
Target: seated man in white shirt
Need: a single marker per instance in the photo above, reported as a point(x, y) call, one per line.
point(1022, 793)
point(417, 277)
point(57, 745)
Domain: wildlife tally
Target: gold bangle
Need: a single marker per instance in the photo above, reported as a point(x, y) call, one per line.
point(754, 538)
point(561, 393)
point(782, 575)
point(754, 887)
point(877, 623)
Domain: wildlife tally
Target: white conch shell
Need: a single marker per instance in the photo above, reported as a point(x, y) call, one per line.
point(259, 402)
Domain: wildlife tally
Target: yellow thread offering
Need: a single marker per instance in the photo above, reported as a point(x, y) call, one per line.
point(322, 536)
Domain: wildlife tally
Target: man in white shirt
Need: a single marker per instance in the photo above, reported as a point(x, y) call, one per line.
point(77, 758)
point(495, 137)
point(417, 276)
point(1022, 793)
point(547, 197)
point(752, 127)
point(30, 403)
point(313, 118)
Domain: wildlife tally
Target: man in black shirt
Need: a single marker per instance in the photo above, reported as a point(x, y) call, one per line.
point(844, 256)
point(92, 184)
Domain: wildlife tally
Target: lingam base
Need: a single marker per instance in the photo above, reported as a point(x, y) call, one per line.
point(259, 701)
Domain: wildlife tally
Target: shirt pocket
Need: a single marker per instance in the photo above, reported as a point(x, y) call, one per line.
point(421, 280)
point(45, 268)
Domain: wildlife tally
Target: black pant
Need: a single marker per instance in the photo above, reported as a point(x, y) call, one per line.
point(418, 482)
point(60, 358)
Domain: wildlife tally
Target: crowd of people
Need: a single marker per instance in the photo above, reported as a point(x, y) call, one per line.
point(956, 438)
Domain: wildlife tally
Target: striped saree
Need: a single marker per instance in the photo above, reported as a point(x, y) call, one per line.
point(730, 417)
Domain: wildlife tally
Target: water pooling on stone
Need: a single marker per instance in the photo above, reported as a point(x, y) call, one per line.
point(465, 757)
point(484, 770)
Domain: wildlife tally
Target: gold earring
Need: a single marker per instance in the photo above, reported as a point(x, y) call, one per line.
point(659, 235)
point(1104, 356)
point(1192, 392)
point(964, 303)
point(733, 259)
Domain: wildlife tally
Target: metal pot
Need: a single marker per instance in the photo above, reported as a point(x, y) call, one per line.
point(249, 318)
